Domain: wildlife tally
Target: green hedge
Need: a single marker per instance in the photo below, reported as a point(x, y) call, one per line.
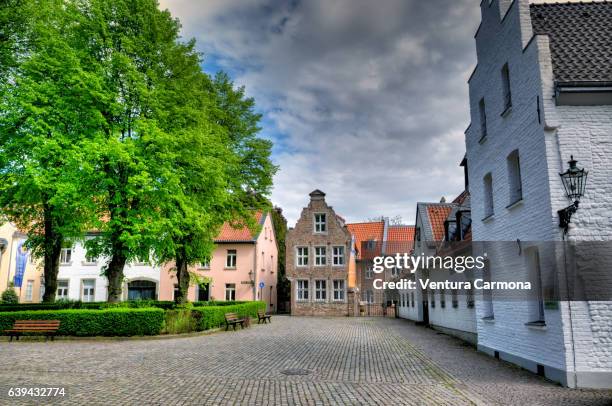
point(84, 322)
point(208, 317)
point(219, 303)
point(61, 305)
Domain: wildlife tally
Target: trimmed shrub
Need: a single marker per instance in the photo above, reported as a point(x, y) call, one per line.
point(67, 304)
point(219, 303)
point(85, 322)
point(179, 321)
point(208, 317)
point(9, 296)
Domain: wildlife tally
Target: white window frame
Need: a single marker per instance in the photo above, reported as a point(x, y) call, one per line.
point(204, 265)
point(319, 257)
point(369, 296)
point(93, 290)
point(338, 255)
point(320, 290)
point(369, 272)
point(29, 293)
point(230, 290)
point(229, 264)
point(319, 227)
point(66, 256)
point(339, 290)
point(301, 259)
point(302, 290)
point(67, 288)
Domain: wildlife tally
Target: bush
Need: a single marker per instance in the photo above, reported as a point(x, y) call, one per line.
point(9, 296)
point(219, 303)
point(68, 304)
point(208, 317)
point(86, 322)
point(180, 321)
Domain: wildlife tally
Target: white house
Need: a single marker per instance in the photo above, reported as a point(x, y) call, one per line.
point(81, 278)
point(541, 93)
point(442, 229)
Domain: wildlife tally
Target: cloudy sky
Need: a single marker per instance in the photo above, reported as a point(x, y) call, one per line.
point(365, 100)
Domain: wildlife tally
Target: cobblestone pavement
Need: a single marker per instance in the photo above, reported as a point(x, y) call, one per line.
point(349, 361)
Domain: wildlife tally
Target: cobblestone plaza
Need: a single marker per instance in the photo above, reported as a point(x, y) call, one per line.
point(293, 361)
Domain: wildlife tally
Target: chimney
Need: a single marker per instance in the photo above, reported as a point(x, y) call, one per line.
point(443, 199)
point(317, 195)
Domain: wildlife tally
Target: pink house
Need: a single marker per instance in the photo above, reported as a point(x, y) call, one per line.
point(243, 267)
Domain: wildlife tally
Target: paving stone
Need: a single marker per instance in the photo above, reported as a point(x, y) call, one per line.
point(350, 361)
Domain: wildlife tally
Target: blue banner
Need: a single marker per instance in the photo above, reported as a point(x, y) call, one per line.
point(21, 259)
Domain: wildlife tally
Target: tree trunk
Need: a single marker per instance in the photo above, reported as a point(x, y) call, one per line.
point(52, 247)
point(182, 275)
point(114, 275)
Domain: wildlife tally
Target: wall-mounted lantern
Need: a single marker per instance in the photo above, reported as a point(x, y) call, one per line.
point(574, 183)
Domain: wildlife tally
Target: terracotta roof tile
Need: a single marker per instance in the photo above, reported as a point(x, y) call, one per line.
point(362, 232)
point(400, 239)
point(437, 215)
point(231, 234)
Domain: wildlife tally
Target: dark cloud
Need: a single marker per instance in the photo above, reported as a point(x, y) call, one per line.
point(366, 100)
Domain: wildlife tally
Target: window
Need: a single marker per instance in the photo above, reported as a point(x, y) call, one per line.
point(66, 256)
point(338, 289)
point(88, 290)
point(412, 299)
point(230, 261)
point(470, 298)
point(488, 195)
point(442, 298)
point(29, 290)
point(62, 289)
point(302, 289)
point(483, 119)
point(433, 299)
point(454, 299)
point(321, 290)
point(369, 273)
point(320, 223)
point(536, 308)
point(176, 291)
point(417, 234)
point(320, 256)
point(230, 291)
point(302, 256)
point(205, 264)
point(338, 255)
point(369, 297)
point(203, 292)
point(506, 87)
point(514, 177)
point(395, 271)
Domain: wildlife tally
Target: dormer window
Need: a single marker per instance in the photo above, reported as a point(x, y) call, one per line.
point(320, 223)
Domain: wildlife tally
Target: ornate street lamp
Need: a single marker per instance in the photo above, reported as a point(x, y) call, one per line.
point(574, 183)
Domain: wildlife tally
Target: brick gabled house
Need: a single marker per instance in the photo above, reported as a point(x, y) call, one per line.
point(319, 262)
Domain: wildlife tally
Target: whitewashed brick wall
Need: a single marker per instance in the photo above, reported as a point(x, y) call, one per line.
point(544, 147)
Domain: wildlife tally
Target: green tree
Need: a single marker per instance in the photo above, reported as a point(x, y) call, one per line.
point(48, 102)
point(283, 288)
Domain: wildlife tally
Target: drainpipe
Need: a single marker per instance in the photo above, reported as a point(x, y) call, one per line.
point(255, 273)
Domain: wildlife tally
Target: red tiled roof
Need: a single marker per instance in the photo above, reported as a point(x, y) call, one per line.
point(229, 233)
point(437, 215)
point(370, 231)
point(400, 239)
point(367, 231)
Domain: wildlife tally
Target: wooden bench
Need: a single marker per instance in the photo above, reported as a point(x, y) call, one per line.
point(46, 327)
point(232, 318)
point(263, 316)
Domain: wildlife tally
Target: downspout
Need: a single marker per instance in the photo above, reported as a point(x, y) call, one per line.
point(255, 272)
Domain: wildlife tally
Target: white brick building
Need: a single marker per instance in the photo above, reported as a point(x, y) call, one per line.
point(540, 93)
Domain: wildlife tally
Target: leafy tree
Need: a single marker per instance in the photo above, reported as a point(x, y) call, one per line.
point(48, 102)
point(280, 230)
